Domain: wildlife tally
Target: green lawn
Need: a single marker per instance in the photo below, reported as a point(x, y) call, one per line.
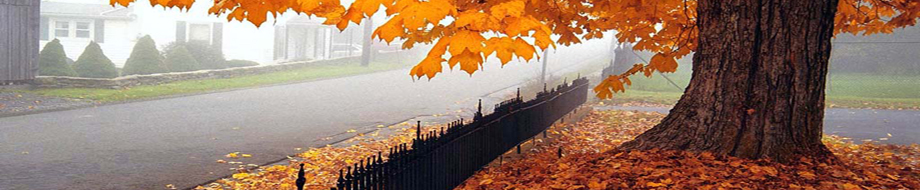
point(844, 90)
point(205, 85)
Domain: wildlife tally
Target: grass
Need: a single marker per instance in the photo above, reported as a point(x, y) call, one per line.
point(206, 85)
point(844, 90)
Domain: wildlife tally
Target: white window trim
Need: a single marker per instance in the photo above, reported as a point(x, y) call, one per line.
point(72, 28)
point(188, 30)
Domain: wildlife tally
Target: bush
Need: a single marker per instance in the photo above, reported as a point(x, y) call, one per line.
point(241, 63)
point(208, 57)
point(145, 58)
point(94, 64)
point(53, 62)
point(178, 59)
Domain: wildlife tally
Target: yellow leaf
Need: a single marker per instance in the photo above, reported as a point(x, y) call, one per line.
point(520, 26)
point(512, 9)
point(431, 65)
point(806, 175)
point(468, 61)
point(466, 40)
point(543, 40)
point(121, 2)
point(501, 46)
point(240, 175)
point(653, 184)
point(663, 63)
point(390, 30)
point(523, 49)
point(850, 186)
point(474, 19)
point(595, 185)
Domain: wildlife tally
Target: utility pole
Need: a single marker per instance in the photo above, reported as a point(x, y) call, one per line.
point(543, 74)
point(366, 48)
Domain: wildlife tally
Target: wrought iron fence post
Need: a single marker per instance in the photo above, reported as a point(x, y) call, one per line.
point(300, 178)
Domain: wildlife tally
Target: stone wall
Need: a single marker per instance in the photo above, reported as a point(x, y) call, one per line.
point(160, 78)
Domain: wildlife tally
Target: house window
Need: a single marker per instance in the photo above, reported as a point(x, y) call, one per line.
point(61, 29)
point(199, 32)
point(79, 29)
point(83, 29)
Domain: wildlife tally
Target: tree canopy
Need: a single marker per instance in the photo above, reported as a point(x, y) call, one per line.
point(470, 31)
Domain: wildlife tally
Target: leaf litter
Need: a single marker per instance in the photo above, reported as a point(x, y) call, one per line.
point(591, 161)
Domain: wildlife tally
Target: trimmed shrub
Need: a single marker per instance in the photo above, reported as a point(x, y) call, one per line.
point(94, 64)
point(241, 63)
point(145, 58)
point(53, 62)
point(208, 57)
point(178, 59)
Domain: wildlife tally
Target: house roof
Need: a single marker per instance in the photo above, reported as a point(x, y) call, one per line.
point(84, 10)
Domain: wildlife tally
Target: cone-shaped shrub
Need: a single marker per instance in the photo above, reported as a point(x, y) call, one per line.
point(145, 59)
point(94, 64)
point(209, 57)
point(178, 59)
point(53, 62)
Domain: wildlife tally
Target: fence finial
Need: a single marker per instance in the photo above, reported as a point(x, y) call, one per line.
point(479, 108)
point(560, 152)
point(519, 93)
point(300, 178)
point(418, 130)
point(478, 112)
point(341, 181)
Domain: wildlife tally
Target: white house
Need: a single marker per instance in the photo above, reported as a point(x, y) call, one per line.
point(77, 22)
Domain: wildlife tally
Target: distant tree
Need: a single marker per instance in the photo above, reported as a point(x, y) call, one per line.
point(94, 64)
point(145, 58)
point(178, 59)
point(53, 62)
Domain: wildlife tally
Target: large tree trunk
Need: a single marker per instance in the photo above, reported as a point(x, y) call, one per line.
point(758, 81)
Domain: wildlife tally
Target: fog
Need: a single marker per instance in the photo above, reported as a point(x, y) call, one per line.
point(293, 83)
point(269, 91)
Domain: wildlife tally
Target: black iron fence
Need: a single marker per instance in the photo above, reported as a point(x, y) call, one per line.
point(445, 158)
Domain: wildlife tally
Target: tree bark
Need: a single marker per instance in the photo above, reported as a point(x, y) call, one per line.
point(757, 89)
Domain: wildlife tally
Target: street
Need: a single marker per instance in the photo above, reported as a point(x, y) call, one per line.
point(148, 144)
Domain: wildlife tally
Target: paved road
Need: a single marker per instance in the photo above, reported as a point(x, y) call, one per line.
point(146, 145)
point(858, 124)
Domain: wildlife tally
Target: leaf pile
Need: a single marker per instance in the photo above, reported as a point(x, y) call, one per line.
point(592, 163)
point(321, 165)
